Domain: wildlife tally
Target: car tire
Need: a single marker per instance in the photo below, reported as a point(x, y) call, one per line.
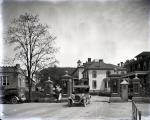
point(70, 103)
point(14, 100)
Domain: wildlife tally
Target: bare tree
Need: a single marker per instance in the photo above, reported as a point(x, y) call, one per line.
point(34, 45)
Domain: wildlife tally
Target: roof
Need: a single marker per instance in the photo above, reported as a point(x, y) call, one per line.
point(136, 72)
point(102, 66)
point(75, 72)
point(7, 69)
point(81, 86)
point(124, 82)
point(145, 53)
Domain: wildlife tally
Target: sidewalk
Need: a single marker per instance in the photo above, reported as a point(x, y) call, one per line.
point(145, 109)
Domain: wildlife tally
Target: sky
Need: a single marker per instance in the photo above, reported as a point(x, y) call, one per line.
point(112, 30)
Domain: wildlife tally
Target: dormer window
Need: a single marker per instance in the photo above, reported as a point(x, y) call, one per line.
point(94, 74)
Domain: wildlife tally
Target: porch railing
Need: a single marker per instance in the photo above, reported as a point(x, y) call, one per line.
point(136, 114)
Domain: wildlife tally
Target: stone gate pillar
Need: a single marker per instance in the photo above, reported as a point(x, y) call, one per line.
point(124, 90)
point(136, 86)
point(48, 87)
point(68, 79)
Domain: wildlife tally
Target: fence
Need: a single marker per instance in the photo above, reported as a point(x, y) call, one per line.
point(136, 114)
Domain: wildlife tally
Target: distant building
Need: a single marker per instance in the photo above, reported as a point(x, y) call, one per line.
point(138, 72)
point(11, 77)
point(94, 74)
point(137, 76)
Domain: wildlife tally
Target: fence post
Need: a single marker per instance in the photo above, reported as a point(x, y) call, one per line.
point(139, 115)
point(132, 111)
point(136, 114)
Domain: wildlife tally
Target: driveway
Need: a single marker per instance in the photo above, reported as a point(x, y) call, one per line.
point(98, 109)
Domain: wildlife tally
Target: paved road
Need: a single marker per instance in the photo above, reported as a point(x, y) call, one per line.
point(98, 109)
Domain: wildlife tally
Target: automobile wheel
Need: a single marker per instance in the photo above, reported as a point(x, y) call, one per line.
point(14, 100)
point(70, 103)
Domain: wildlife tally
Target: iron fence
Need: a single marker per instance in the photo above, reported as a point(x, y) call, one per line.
point(136, 114)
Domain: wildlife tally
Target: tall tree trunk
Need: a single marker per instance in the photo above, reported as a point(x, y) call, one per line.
point(30, 87)
point(30, 93)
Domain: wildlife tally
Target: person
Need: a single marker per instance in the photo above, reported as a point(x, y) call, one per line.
point(58, 93)
point(60, 96)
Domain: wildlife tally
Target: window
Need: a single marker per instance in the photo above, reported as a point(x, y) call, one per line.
point(115, 86)
point(94, 84)
point(108, 73)
point(144, 66)
point(94, 74)
point(85, 75)
point(105, 84)
point(4, 80)
point(139, 66)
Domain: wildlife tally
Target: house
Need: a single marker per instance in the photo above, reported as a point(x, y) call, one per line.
point(138, 73)
point(11, 77)
point(137, 76)
point(94, 73)
point(14, 77)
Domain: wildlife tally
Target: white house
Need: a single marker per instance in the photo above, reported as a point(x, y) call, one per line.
point(94, 74)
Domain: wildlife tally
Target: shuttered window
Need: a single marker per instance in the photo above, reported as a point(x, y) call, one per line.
point(94, 84)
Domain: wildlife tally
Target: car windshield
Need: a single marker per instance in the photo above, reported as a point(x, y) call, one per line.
point(81, 90)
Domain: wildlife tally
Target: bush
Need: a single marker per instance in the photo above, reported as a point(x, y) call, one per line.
point(37, 96)
point(104, 94)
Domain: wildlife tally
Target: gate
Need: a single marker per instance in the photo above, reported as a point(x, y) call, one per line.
point(136, 114)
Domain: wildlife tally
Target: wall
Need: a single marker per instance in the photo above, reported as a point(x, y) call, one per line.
point(101, 74)
point(21, 81)
point(15, 79)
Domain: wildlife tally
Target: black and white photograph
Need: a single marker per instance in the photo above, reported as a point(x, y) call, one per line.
point(74, 59)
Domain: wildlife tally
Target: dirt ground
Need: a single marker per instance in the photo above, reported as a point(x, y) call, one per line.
point(98, 109)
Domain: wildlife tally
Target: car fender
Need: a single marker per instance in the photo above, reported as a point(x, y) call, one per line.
point(70, 99)
point(82, 99)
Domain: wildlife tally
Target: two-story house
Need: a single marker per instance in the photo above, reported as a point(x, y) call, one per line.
point(94, 74)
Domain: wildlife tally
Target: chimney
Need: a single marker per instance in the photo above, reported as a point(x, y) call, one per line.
point(89, 59)
point(78, 63)
point(121, 64)
point(118, 64)
point(100, 60)
point(17, 66)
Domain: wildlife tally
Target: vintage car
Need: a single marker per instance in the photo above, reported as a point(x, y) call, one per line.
point(12, 95)
point(80, 96)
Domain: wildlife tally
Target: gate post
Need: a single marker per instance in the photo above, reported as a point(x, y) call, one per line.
point(68, 79)
point(124, 90)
